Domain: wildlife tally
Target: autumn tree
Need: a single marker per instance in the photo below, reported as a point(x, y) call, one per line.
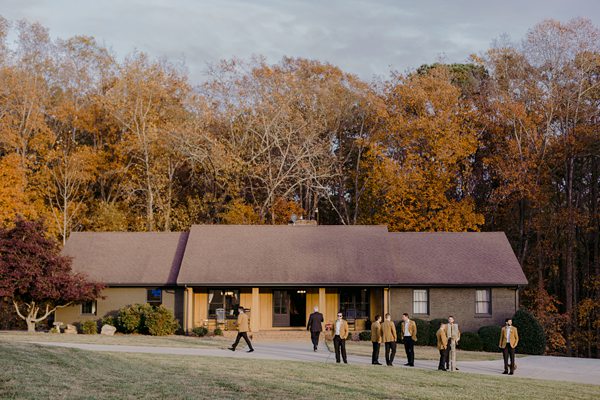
point(35, 277)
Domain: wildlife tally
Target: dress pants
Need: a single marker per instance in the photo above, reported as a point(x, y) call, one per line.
point(442, 364)
point(239, 336)
point(339, 345)
point(375, 356)
point(390, 352)
point(509, 352)
point(447, 355)
point(409, 347)
point(314, 337)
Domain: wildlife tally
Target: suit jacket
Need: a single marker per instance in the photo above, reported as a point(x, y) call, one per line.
point(455, 332)
point(412, 329)
point(514, 337)
point(315, 322)
point(388, 330)
point(376, 333)
point(343, 329)
point(243, 324)
point(442, 339)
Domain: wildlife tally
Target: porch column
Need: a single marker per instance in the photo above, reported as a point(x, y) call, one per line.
point(323, 303)
point(188, 310)
point(255, 310)
point(386, 300)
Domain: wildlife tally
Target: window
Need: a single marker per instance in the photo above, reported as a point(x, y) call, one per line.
point(420, 301)
point(154, 297)
point(227, 299)
point(483, 301)
point(88, 307)
point(354, 303)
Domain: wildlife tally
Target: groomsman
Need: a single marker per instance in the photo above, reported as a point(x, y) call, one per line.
point(243, 327)
point(453, 335)
point(388, 330)
point(509, 338)
point(376, 339)
point(315, 326)
point(442, 343)
point(409, 337)
point(340, 331)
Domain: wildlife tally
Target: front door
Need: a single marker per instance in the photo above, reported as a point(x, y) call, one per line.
point(281, 308)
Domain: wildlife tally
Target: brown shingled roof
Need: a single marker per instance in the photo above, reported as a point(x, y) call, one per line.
point(128, 258)
point(266, 255)
point(280, 255)
point(456, 258)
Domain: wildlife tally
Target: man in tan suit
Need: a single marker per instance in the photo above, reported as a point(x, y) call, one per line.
point(453, 335)
point(389, 337)
point(339, 332)
point(409, 337)
point(376, 339)
point(243, 326)
point(509, 338)
point(442, 343)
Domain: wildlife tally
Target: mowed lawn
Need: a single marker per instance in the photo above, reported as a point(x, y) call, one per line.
point(30, 371)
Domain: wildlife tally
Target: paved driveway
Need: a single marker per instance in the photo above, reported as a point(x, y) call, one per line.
point(581, 370)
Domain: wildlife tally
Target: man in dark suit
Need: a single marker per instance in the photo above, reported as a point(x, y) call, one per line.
point(315, 326)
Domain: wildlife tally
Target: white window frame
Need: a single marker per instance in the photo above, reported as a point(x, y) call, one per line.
point(420, 302)
point(486, 299)
point(94, 308)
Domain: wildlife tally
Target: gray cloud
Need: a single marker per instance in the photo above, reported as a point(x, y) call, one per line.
point(367, 38)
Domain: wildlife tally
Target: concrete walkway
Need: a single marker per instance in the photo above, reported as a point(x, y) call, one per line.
point(580, 370)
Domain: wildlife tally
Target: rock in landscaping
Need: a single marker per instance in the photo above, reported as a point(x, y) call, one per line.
point(71, 329)
point(108, 330)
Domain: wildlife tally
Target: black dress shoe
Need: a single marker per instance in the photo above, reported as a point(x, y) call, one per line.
point(345, 362)
point(505, 373)
point(511, 373)
point(407, 365)
point(377, 363)
point(442, 369)
point(231, 348)
point(250, 351)
point(455, 368)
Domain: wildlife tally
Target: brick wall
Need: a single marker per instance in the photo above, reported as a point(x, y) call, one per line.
point(459, 302)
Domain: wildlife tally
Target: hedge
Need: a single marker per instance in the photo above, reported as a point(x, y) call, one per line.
point(490, 337)
point(364, 335)
point(89, 327)
point(200, 331)
point(470, 341)
point(532, 339)
point(160, 322)
point(132, 319)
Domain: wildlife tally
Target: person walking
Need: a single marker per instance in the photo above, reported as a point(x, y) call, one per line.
point(509, 338)
point(243, 327)
point(453, 335)
point(376, 339)
point(315, 326)
point(442, 343)
point(389, 337)
point(339, 331)
point(409, 337)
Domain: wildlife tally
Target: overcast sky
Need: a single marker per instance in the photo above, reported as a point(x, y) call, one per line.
point(367, 38)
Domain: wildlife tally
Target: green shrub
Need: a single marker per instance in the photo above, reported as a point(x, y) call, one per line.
point(434, 325)
point(470, 341)
point(89, 327)
point(218, 332)
point(532, 339)
point(109, 320)
point(200, 331)
point(490, 337)
point(132, 319)
point(160, 321)
point(364, 335)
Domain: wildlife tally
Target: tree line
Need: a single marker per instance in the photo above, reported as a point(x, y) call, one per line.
point(508, 141)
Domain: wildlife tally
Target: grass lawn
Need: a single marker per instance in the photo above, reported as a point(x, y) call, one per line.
point(30, 371)
point(128, 340)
